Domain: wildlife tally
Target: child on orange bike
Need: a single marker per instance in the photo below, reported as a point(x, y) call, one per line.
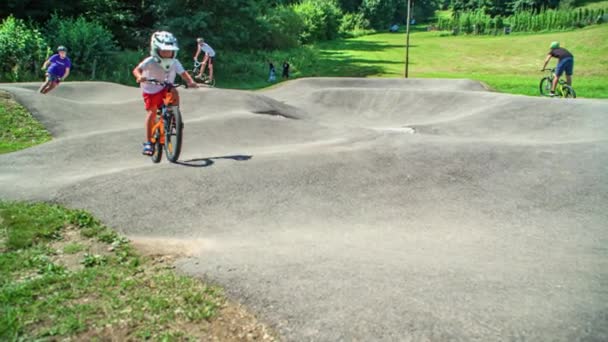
point(162, 65)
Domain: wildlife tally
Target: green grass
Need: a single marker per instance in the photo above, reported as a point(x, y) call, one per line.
point(506, 63)
point(445, 14)
point(18, 129)
point(25, 226)
point(118, 293)
point(595, 4)
point(73, 248)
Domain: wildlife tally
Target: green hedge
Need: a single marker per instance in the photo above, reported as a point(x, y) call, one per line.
point(22, 50)
point(477, 22)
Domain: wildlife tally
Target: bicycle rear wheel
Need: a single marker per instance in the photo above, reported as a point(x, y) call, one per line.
point(545, 86)
point(173, 134)
point(158, 148)
point(568, 92)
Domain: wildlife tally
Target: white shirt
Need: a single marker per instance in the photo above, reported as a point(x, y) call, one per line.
point(207, 49)
point(152, 69)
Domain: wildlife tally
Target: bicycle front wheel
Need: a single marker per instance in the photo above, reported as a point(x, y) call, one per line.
point(174, 132)
point(158, 148)
point(568, 92)
point(545, 86)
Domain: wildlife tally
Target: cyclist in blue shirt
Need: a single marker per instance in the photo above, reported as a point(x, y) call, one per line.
point(58, 69)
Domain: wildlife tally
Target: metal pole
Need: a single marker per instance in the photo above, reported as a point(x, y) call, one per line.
point(407, 44)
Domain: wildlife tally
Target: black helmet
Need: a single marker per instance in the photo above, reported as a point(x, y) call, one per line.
point(61, 48)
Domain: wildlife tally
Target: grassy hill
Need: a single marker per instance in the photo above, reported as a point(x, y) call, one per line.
point(506, 63)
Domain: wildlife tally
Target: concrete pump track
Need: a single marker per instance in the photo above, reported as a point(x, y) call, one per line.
point(353, 209)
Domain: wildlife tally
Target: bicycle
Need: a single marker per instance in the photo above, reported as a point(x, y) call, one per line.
point(168, 129)
point(48, 85)
point(563, 89)
point(204, 78)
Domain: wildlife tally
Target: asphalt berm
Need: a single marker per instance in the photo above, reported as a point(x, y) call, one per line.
point(353, 209)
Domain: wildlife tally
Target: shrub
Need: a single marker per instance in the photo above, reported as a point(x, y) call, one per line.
point(22, 49)
point(283, 26)
point(381, 13)
point(321, 19)
point(477, 22)
point(89, 43)
point(352, 23)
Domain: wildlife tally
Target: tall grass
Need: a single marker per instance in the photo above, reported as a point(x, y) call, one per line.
point(480, 23)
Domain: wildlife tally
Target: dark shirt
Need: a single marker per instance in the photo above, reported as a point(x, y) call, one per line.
point(560, 53)
point(271, 66)
point(285, 69)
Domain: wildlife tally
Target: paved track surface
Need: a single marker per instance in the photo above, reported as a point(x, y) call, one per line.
point(354, 209)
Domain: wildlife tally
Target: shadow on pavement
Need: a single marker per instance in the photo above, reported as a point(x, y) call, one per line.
point(206, 162)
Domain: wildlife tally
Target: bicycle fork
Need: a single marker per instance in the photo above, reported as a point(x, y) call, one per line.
point(158, 130)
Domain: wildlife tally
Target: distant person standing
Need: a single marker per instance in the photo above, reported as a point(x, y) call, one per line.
point(285, 69)
point(58, 69)
point(209, 56)
point(565, 62)
point(272, 74)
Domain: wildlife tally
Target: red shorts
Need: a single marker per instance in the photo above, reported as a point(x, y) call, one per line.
point(154, 100)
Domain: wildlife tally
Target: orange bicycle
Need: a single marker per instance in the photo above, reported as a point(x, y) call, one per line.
point(168, 130)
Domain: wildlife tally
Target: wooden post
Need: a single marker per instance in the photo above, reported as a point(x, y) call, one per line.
point(407, 34)
point(94, 67)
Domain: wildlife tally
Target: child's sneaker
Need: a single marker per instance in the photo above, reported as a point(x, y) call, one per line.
point(148, 149)
point(552, 94)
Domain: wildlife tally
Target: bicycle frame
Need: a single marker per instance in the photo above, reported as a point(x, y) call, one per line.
point(161, 114)
point(560, 84)
point(160, 125)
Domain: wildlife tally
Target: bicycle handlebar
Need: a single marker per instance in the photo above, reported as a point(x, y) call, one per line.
point(164, 84)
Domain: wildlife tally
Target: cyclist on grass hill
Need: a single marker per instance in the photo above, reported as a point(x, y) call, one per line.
point(201, 46)
point(162, 65)
point(58, 70)
point(565, 63)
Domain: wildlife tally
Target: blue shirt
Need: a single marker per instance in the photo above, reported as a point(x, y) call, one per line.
point(58, 65)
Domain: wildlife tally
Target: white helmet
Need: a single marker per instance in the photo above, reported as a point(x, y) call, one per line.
point(163, 40)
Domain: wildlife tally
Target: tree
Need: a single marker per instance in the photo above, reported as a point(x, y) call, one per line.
point(225, 24)
point(321, 19)
point(90, 45)
point(283, 26)
point(21, 48)
point(350, 5)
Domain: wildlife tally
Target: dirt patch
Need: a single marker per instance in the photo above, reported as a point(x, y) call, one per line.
point(233, 322)
point(170, 247)
point(4, 95)
point(70, 251)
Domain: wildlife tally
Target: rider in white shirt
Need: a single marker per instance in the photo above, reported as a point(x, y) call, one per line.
point(209, 57)
point(162, 65)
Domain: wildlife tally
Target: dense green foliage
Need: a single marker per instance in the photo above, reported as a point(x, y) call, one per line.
point(90, 44)
point(107, 38)
point(284, 26)
point(22, 49)
point(478, 22)
point(321, 19)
